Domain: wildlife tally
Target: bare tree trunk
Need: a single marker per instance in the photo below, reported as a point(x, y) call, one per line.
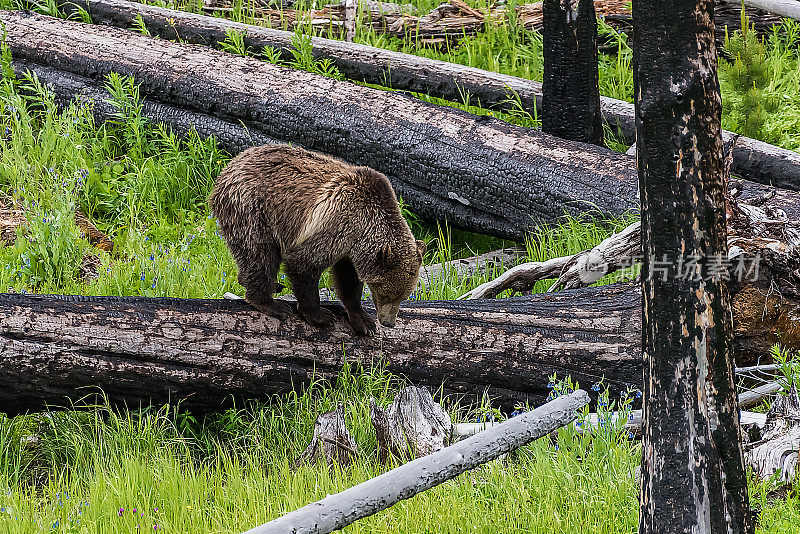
point(693, 477)
point(571, 94)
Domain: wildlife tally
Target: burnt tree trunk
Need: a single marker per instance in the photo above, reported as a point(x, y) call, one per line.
point(693, 477)
point(141, 350)
point(752, 159)
point(480, 174)
point(571, 91)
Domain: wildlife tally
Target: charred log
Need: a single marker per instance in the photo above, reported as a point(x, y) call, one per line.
point(754, 160)
point(142, 350)
point(512, 178)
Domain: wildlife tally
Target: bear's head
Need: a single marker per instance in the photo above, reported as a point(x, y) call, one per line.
point(398, 267)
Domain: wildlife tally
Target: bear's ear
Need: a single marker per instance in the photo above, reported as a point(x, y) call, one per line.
point(421, 248)
point(386, 256)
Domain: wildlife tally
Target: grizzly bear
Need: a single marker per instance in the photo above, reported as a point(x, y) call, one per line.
point(278, 203)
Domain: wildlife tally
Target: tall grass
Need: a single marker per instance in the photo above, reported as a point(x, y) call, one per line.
point(165, 470)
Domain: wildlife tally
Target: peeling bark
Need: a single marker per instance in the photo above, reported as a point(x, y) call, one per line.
point(571, 94)
point(54, 349)
point(693, 477)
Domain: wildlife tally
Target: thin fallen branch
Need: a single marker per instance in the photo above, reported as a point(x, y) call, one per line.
point(633, 423)
point(337, 511)
point(464, 268)
point(757, 394)
point(577, 270)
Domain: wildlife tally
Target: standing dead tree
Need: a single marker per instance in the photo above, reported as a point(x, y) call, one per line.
point(571, 91)
point(693, 476)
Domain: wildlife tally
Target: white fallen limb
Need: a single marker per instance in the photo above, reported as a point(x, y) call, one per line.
point(376, 494)
point(577, 270)
point(784, 8)
point(633, 423)
point(777, 451)
point(757, 394)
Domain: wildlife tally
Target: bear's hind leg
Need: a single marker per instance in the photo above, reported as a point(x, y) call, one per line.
point(349, 289)
point(258, 271)
point(305, 284)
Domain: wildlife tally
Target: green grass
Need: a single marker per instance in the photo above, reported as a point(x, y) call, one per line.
point(147, 190)
point(230, 471)
point(91, 467)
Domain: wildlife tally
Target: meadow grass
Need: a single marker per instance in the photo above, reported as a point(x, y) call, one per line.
point(101, 470)
point(90, 467)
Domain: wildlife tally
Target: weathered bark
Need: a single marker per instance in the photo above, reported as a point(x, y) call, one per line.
point(140, 350)
point(413, 425)
point(512, 178)
point(376, 494)
point(420, 146)
point(331, 440)
point(754, 160)
point(571, 91)
point(693, 477)
point(777, 450)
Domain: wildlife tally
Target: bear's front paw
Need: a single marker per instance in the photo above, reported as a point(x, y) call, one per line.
point(320, 317)
point(363, 324)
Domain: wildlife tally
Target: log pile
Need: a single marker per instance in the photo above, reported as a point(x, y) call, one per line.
point(752, 159)
point(454, 20)
point(513, 178)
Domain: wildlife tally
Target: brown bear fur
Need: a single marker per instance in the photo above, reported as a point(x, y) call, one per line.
point(278, 203)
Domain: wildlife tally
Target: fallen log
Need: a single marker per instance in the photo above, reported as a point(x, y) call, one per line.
point(376, 494)
point(784, 8)
point(141, 350)
point(513, 177)
point(753, 159)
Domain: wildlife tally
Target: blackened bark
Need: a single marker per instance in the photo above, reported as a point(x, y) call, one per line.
point(752, 159)
point(475, 172)
point(693, 477)
point(571, 91)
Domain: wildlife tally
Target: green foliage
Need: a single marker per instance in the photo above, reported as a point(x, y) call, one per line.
point(748, 77)
point(788, 367)
point(232, 470)
point(234, 43)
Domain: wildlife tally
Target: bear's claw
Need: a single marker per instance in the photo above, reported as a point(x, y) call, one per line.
point(321, 317)
point(363, 324)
